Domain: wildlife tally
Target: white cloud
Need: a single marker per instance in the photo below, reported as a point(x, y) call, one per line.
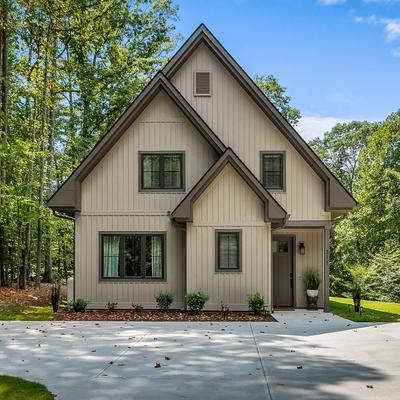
point(311, 127)
point(396, 52)
point(391, 26)
point(331, 2)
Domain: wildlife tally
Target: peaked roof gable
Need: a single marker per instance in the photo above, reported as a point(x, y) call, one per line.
point(68, 197)
point(336, 195)
point(273, 211)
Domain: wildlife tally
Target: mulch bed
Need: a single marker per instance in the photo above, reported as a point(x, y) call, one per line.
point(155, 315)
point(28, 297)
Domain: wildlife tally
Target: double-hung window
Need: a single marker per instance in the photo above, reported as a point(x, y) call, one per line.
point(162, 171)
point(228, 251)
point(273, 170)
point(133, 256)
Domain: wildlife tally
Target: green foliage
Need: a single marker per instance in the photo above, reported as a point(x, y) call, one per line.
point(79, 305)
point(384, 275)
point(196, 300)
point(366, 158)
point(73, 68)
point(111, 306)
point(256, 303)
point(13, 388)
point(312, 280)
point(270, 86)
point(164, 300)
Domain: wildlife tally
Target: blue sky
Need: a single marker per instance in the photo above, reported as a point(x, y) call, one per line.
point(339, 59)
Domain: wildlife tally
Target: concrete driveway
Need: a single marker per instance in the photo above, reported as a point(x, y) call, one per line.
point(306, 355)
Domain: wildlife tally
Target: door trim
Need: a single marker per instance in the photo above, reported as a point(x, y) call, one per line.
point(294, 252)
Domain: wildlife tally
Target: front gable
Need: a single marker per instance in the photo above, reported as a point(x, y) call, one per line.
point(246, 121)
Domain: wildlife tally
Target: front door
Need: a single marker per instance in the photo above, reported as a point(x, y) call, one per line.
point(282, 264)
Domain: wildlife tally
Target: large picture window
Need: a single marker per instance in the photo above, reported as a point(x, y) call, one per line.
point(273, 170)
point(162, 171)
point(228, 249)
point(133, 256)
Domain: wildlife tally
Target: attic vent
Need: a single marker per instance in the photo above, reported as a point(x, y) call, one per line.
point(202, 84)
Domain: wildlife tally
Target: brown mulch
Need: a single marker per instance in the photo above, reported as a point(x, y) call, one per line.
point(156, 315)
point(28, 297)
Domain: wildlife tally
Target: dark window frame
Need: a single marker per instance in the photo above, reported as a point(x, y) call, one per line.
point(277, 152)
point(218, 269)
point(121, 265)
point(141, 156)
point(195, 94)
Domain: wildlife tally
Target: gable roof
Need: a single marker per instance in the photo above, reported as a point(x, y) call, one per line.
point(336, 195)
point(68, 199)
point(273, 212)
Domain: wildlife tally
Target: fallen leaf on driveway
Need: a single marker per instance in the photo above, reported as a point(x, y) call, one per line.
point(158, 365)
point(370, 386)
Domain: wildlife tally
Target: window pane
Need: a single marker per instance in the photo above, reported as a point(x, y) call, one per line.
point(111, 256)
point(154, 256)
point(172, 171)
point(151, 171)
point(273, 171)
point(133, 256)
point(228, 250)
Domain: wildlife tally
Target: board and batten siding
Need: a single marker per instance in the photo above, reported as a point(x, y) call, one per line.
point(112, 202)
point(87, 257)
point(113, 185)
point(241, 124)
point(313, 240)
point(229, 203)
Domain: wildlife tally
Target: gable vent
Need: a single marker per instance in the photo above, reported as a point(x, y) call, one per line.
point(202, 84)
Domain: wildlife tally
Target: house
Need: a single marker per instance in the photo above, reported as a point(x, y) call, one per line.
point(201, 184)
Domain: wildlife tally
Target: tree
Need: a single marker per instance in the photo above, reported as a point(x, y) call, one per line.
point(341, 148)
point(270, 86)
point(67, 70)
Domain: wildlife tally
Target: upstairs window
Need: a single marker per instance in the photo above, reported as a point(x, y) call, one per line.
point(161, 172)
point(133, 256)
point(202, 83)
point(273, 170)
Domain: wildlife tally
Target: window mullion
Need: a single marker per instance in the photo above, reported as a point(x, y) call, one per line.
point(161, 171)
point(143, 255)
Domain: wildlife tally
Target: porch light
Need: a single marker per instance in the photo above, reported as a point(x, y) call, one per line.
point(302, 248)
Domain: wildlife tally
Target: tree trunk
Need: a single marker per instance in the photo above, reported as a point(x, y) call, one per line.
point(42, 165)
point(4, 127)
point(48, 262)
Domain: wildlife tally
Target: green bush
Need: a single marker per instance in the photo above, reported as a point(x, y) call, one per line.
point(111, 306)
point(256, 303)
point(196, 300)
point(164, 300)
point(79, 305)
point(312, 280)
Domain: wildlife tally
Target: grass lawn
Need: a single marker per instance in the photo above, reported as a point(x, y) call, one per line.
point(372, 311)
point(12, 388)
point(25, 313)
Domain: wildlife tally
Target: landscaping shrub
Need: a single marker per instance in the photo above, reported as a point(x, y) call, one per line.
point(196, 300)
point(164, 300)
point(111, 306)
point(79, 305)
point(137, 307)
point(256, 303)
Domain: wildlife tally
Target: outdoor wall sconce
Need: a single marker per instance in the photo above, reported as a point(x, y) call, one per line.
point(302, 248)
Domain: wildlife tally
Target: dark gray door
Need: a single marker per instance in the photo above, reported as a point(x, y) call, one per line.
point(282, 264)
